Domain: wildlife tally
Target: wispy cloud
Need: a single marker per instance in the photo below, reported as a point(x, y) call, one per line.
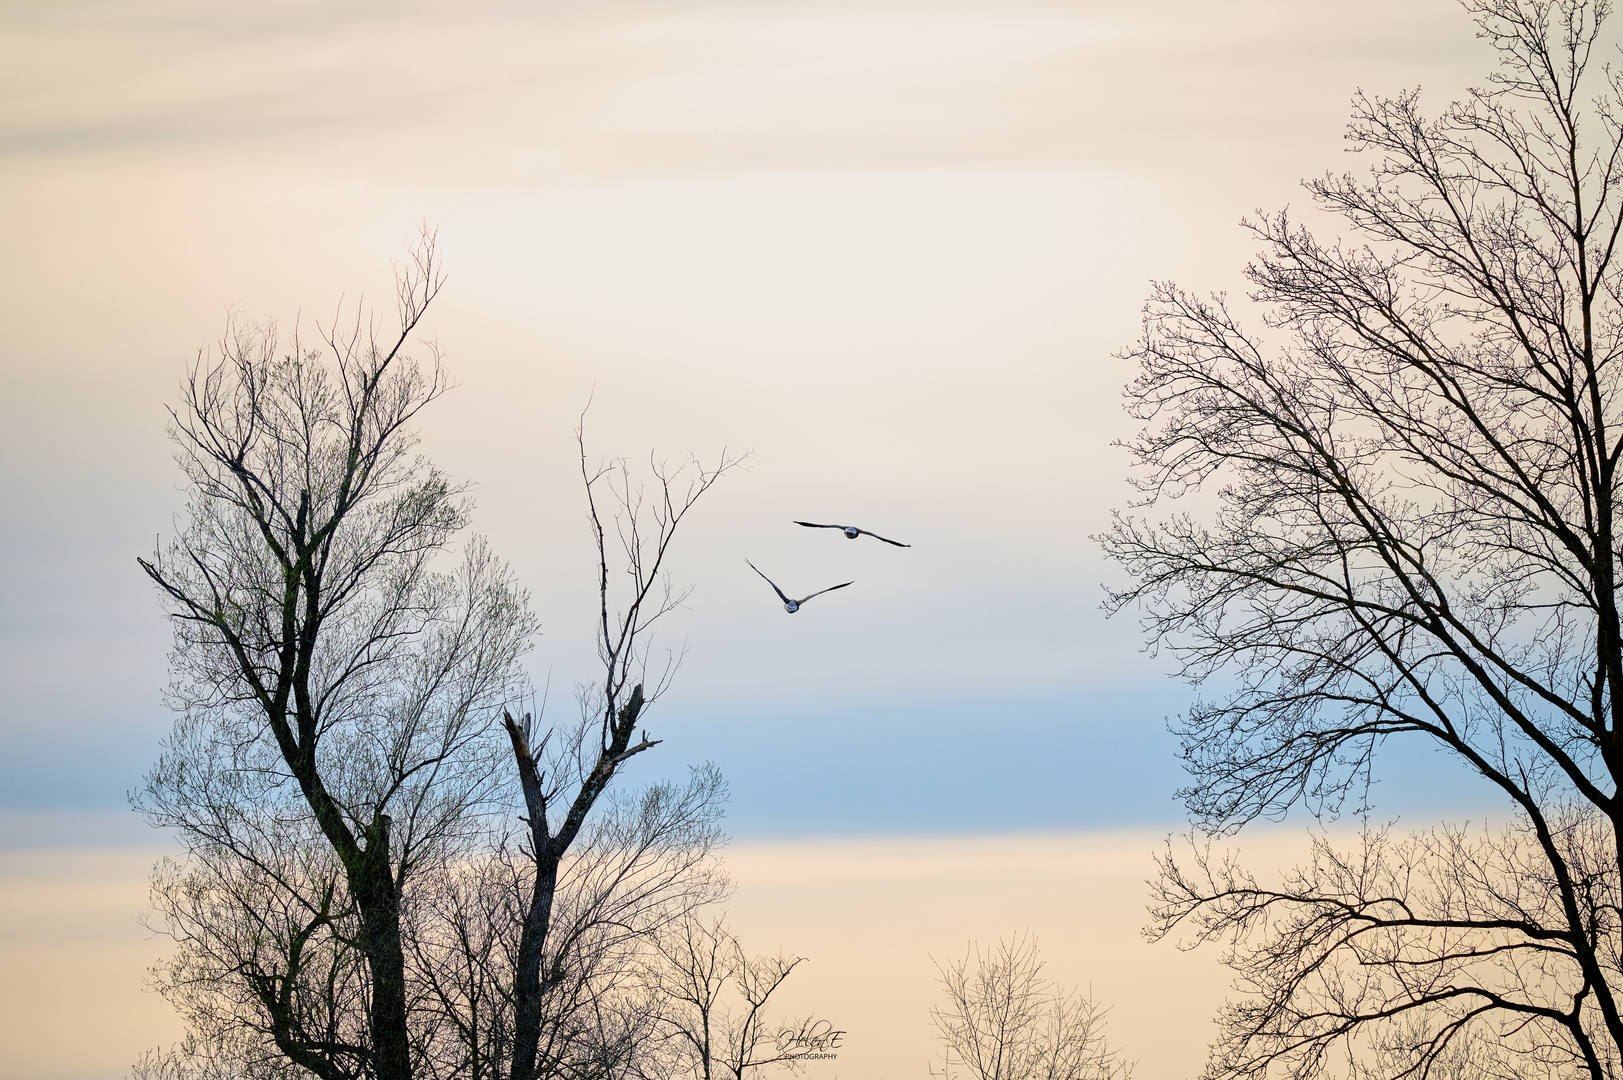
point(526, 90)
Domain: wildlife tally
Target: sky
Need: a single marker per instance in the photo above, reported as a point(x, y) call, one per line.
point(891, 249)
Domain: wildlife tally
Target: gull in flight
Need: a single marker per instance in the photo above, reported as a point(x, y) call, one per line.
point(851, 532)
point(792, 606)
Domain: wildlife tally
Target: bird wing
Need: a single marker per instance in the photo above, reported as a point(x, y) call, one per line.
point(814, 525)
point(820, 592)
point(769, 581)
point(876, 536)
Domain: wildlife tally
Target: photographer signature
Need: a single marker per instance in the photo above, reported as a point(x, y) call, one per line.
point(813, 1037)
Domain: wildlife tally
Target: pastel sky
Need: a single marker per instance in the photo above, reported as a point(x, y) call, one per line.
point(889, 247)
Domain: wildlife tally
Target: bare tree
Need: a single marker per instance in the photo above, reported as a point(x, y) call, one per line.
point(354, 901)
point(710, 999)
point(1004, 1021)
point(586, 758)
point(332, 686)
point(1435, 955)
point(264, 961)
point(640, 862)
point(1415, 537)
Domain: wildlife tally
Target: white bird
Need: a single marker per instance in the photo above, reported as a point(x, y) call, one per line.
point(851, 532)
point(792, 606)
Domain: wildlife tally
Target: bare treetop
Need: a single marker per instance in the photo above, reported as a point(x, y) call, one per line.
point(1004, 1020)
point(1416, 469)
point(1417, 519)
point(335, 688)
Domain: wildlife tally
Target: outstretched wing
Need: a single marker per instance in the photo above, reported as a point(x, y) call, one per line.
point(820, 592)
point(814, 525)
point(876, 536)
point(769, 581)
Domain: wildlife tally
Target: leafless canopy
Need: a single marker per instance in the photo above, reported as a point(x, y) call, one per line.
point(1004, 1021)
point(643, 861)
point(334, 689)
point(1439, 954)
point(354, 900)
point(712, 1018)
point(563, 776)
point(1415, 535)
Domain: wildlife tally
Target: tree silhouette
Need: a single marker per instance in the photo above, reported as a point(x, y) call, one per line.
point(1415, 536)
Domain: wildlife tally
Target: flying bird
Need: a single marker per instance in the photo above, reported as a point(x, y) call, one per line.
point(792, 606)
point(851, 532)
